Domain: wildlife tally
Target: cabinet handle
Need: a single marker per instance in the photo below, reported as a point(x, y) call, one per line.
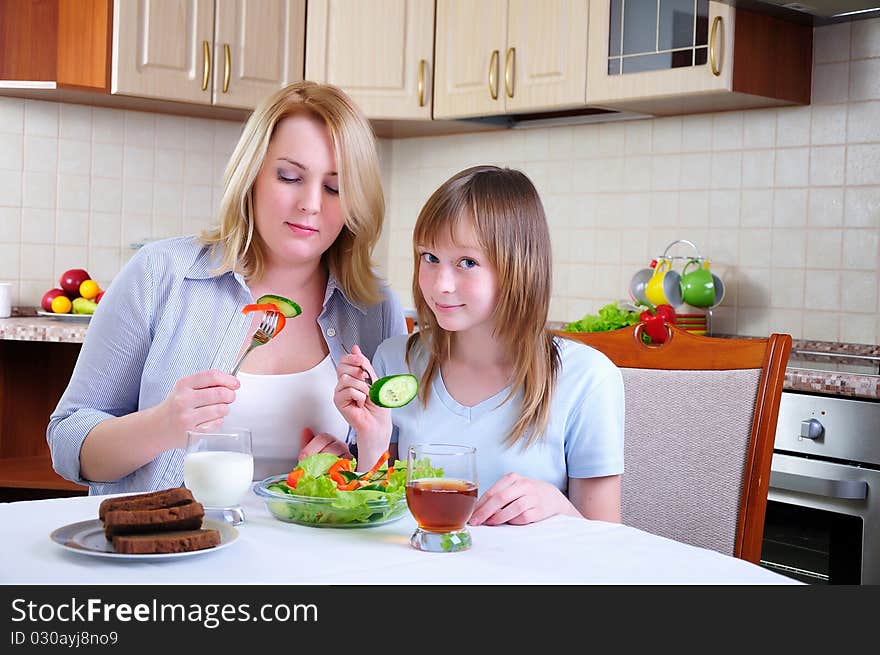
point(228, 69)
point(206, 69)
point(422, 65)
point(713, 55)
point(493, 75)
point(509, 63)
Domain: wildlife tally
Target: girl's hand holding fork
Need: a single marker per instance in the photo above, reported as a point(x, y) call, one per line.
point(371, 423)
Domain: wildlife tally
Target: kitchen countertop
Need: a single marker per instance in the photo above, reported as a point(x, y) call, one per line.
point(37, 328)
point(839, 369)
point(825, 367)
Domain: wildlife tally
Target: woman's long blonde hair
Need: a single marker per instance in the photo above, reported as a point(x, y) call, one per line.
point(360, 188)
point(508, 218)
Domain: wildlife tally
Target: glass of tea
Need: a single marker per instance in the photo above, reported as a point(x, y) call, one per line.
point(441, 491)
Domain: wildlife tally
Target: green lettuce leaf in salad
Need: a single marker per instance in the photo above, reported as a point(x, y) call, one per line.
point(371, 503)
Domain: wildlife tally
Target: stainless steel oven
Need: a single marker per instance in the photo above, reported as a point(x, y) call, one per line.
point(823, 511)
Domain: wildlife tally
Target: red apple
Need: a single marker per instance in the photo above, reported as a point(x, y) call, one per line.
point(98, 297)
point(48, 297)
point(70, 281)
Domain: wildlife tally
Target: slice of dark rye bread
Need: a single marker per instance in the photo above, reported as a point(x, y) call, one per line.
point(175, 541)
point(187, 516)
point(148, 500)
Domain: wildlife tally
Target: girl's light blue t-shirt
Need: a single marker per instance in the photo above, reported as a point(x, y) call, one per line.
point(584, 437)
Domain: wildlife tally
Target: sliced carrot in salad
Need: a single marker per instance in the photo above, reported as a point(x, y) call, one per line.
point(293, 477)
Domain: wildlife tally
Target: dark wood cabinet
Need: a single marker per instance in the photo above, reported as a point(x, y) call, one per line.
point(33, 375)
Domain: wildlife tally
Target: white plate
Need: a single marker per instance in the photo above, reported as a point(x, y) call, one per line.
point(73, 318)
point(87, 537)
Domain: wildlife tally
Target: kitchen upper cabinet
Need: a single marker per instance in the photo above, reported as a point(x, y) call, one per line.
point(509, 56)
point(380, 52)
point(55, 44)
point(689, 56)
point(228, 53)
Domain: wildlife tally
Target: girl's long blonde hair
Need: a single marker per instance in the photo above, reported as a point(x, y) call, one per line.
point(508, 218)
point(360, 188)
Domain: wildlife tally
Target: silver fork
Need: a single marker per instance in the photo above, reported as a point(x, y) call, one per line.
point(368, 379)
point(265, 331)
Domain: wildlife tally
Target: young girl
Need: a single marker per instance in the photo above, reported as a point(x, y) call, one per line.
point(544, 413)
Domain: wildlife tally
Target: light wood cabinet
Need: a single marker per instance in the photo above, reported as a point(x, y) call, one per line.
point(228, 53)
point(694, 56)
point(380, 52)
point(509, 56)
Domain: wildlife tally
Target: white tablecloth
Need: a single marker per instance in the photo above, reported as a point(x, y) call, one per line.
point(560, 550)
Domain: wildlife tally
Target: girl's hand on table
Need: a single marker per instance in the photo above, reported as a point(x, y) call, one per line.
point(519, 500)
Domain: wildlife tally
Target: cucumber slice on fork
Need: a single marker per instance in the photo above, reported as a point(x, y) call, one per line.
point(394, 390)
point(287, 307)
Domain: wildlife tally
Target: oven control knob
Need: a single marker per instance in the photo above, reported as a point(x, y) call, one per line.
point(812, 429)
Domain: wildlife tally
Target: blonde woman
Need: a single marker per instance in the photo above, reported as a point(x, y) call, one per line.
point(545, 414)
point(301, 211)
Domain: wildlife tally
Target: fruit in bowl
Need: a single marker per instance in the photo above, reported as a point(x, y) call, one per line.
point(77, 293)
point(324, 491)
point(71, 281)
point(84, 306)
point(48, 297)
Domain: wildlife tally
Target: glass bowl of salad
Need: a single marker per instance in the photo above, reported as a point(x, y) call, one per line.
point(327, 494)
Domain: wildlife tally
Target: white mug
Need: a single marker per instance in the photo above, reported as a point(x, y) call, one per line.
point(5, 299)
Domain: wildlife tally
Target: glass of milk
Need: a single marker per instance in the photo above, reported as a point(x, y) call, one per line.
point(218, 467)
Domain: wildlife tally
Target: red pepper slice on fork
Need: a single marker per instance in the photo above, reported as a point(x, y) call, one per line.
point(267, 307)
point(262, 307)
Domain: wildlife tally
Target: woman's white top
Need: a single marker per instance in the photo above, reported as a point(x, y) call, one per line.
point(277, 407)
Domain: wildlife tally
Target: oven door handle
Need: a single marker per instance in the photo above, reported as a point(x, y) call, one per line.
point(848, 489)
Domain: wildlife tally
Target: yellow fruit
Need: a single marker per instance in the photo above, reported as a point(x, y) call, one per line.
point(89, 289)
point(61, 305)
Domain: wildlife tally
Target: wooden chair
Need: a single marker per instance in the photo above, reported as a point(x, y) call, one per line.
point(700, 422)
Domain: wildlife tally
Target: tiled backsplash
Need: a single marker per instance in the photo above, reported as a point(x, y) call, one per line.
point(784, 202)
point(79, 185)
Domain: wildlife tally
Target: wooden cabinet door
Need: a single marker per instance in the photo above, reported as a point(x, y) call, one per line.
point(655, 87)
point(258, 48)
point(160, 49)
point(380, 52)
point(471, 40)
point(545, 65)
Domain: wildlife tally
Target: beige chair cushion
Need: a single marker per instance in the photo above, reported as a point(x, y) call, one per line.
point(686, 446)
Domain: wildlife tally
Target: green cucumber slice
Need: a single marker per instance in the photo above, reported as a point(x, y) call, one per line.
point(394, 390)
point(285, 306)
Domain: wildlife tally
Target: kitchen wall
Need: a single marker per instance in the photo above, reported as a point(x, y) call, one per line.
point(80, 185)
point(785, 202)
